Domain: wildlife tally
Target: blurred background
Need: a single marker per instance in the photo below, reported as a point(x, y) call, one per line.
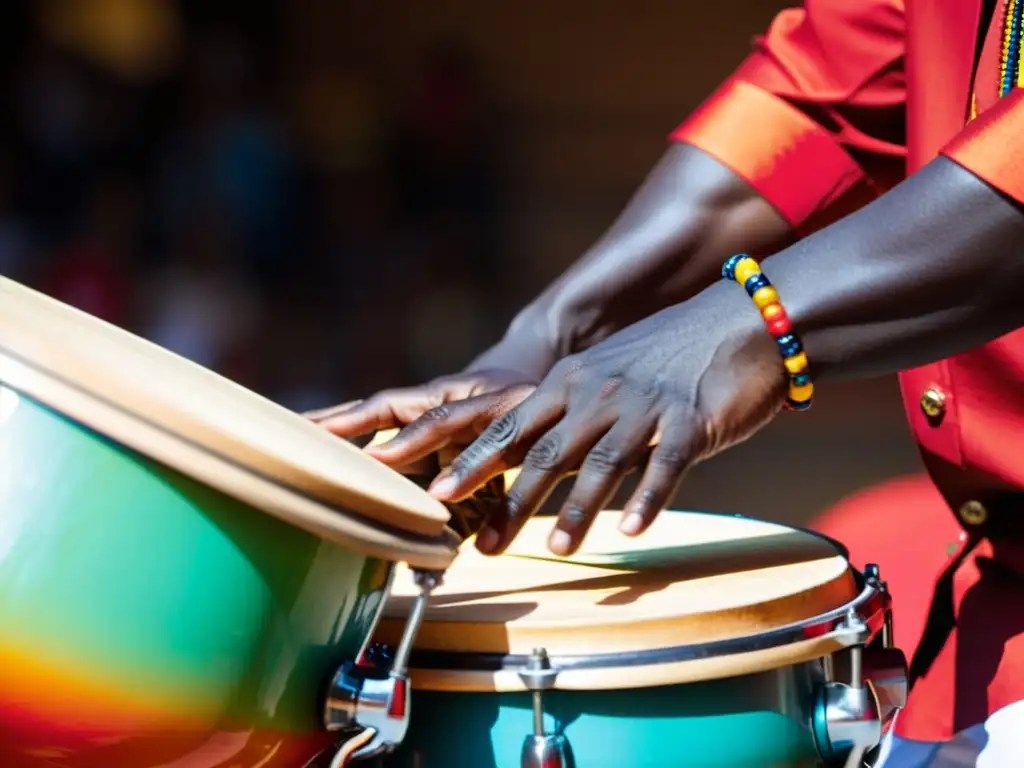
point(321, 198)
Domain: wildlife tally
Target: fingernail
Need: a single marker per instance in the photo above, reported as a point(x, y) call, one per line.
point(443, 487)
point(560, 542)
point(631, 524)
point(487, 540)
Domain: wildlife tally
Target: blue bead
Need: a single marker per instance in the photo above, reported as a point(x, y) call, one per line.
point(800, 379)
point(755, 283)
point(729, 268)
point(793, 405)
point(789, 345)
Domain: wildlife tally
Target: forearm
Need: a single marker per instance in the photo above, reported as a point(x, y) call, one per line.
point(668, 244)
point(930, 269)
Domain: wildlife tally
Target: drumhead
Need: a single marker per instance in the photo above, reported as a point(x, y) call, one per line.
point(114, 381)
point(693, 579)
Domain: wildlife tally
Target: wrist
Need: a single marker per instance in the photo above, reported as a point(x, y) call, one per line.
point(744, 271)
point(528, 347)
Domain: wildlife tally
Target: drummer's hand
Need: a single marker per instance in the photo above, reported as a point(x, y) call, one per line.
point(452, 409)
point(666, 393)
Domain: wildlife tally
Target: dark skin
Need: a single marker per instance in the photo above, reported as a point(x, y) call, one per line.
point(687, 217)
point(920, 274)
point(930, 269)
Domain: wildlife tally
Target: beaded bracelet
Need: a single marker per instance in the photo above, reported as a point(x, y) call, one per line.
point(747, 272)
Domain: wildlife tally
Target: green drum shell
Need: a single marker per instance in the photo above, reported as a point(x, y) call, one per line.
point(146, 618)
point(753, 721)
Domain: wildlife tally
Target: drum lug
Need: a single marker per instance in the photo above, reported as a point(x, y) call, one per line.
point(542, 750)
point(886, 670)
point(873, 577)
point(846, 719)
point(374, 693)
point(885, 666)
point(550, 751)
point(849, 716)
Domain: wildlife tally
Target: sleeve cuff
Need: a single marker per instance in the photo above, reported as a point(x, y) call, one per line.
point(792, 161)
point(992, 148)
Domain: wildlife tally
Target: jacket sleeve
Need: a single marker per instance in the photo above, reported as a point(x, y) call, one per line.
point(992, 145)
point(816, 111)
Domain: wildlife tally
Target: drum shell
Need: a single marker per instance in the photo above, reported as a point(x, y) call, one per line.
point(146, 619)
point(752, 721)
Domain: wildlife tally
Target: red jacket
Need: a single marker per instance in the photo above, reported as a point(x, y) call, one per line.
point(848, 96)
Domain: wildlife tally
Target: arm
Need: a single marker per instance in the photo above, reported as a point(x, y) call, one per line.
point(932, 269)
point(689, 214)
point(807, 128)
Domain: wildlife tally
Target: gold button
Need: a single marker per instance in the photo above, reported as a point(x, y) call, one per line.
point(973, 513)
point(933, 403)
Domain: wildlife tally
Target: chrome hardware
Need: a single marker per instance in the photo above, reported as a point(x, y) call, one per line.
point(886, 671)
point(873, 577)
point(373, 692)
point(851, 719)
point(885, 667)
point(849, 716)
point(888, 641)
point(546, 752)
point(538, 675)
point(871, 605)
point(542, 750)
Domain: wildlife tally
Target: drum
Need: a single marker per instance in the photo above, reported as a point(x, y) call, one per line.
point(711, 640)
point(184, 566)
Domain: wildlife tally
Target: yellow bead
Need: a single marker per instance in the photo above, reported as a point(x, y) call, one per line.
point(764, 297)
point(797, 363)
point(801, 394)
point(771, 311)
point(745, 269)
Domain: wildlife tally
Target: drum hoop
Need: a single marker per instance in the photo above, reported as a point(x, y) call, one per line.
point(171, 390)
point(60, 389)
point(870, 606)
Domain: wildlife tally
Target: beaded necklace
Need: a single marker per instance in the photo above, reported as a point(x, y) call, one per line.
point(1010, 73)
point(1009, 64)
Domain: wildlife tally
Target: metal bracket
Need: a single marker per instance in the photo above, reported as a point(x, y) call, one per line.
point(374, 691)
point(849, 716)
point(542, 750)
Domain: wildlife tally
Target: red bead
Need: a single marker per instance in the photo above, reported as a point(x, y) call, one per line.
point(780, 326)
point(396, 706)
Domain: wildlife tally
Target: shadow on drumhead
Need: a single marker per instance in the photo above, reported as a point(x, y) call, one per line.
point(643, 572)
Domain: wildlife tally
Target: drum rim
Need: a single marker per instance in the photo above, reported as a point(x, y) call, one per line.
point(342, 477)
point(331, 522)
point(870, 604)
point(793, 643)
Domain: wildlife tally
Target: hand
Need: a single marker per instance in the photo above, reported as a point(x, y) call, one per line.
point(666, 392)
point(452, 410)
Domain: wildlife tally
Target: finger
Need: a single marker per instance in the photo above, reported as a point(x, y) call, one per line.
point(556, 454)
point(441, 425)
point(385, 410)
point(677, 450)
point(326, 413)
point(603, 470)
point(502, 445)
point(422, 468)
